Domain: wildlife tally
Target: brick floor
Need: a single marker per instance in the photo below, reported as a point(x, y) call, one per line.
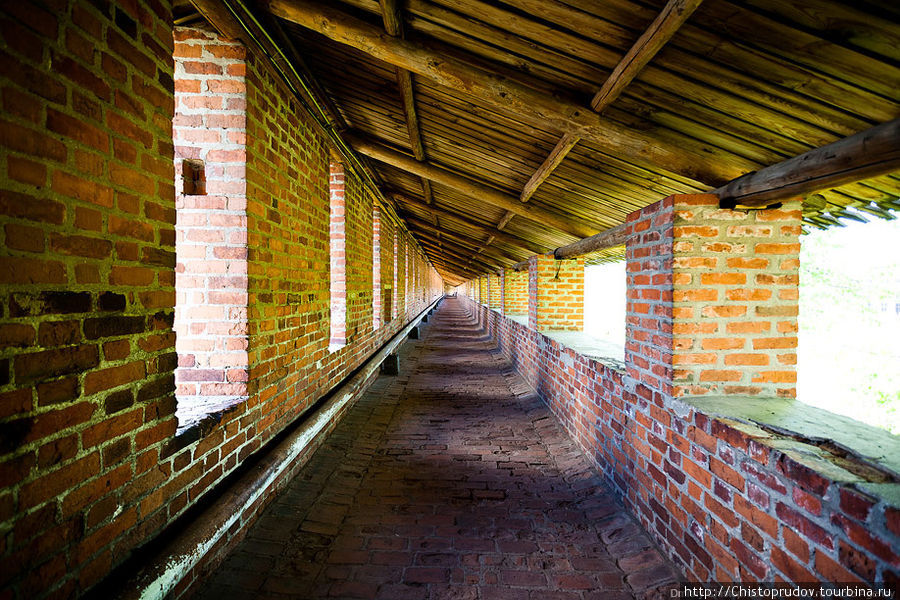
point(451, 480)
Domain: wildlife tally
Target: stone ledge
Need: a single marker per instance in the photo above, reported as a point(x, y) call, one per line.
point(837, 447)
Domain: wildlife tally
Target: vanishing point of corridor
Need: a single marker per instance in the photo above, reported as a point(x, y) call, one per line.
point(452, 480)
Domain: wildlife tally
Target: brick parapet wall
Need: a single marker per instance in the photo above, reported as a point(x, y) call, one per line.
point(727, 501)
point(211, 244)
point(555, 293)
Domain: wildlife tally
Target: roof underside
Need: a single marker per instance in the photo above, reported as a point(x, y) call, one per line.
point(754, 82)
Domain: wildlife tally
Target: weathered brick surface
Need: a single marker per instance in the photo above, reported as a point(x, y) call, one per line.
point(87, 212)
point(555, 293)
point(711, 310)
point(452, 480)
point(515, 292)
point(495, 290)
point(88, 463)
point(210, 125)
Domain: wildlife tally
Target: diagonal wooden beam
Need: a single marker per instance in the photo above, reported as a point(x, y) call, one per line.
point(474, 189)
point(219, 17)
point(691, 159)
point(466, 222)
point(660, 31)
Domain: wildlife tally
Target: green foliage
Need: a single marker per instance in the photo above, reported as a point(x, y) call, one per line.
point(849, 355)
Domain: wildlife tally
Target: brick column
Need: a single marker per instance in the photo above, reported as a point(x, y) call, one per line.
point(376, 268)
point(713, 298)
point(494, 289)
point(337, 255)
point(555, 293)
point(515, 292)
point(484, 291)
point(211, 282)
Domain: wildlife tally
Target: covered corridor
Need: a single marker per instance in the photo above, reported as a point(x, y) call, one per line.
point(452, 480)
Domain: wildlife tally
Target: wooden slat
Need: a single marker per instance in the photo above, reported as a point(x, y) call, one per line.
point(699, 163)
point(866, 154)
point(447, 237)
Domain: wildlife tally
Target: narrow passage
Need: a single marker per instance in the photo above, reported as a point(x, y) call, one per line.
point(452, 480)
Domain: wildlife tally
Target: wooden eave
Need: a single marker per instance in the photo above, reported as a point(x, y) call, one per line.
point(750, 83)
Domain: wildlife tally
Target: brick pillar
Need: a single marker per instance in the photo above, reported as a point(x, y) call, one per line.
point(376, 267)
point(337, 255)
point(555, 293)
point(494, 289)
point(515, 292)
point(211, 283)
point(484, 291)
point(713, 298)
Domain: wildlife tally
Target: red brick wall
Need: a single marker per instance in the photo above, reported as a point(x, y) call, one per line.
point(86, 342)
point(88, 462)
point(495, 290)
point(515, 292)
point(211, 244)
point(555, 293)
point(735, 299)
point(726, 500)
point(377, 307)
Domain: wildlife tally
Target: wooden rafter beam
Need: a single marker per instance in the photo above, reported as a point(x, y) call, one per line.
point(393, 24)
point(474, 189)
point(465, 255)
point(461, 242)
point(689, 159)
point(614, 236)
point(866, 154)
point(660, 31)
point(452, 217)
point(219, 17)
point(458, 265)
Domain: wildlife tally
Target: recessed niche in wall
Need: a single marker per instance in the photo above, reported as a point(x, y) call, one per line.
point(194, 177)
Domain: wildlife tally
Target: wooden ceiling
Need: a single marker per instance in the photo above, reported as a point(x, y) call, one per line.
point(519, 126)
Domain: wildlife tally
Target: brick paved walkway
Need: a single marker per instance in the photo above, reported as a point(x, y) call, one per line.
point(449, 481)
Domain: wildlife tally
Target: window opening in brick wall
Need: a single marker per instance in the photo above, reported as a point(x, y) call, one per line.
point(376, 268)
point(604, 301)
point(211, 284)
point(848, 359)
point(338, 258)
